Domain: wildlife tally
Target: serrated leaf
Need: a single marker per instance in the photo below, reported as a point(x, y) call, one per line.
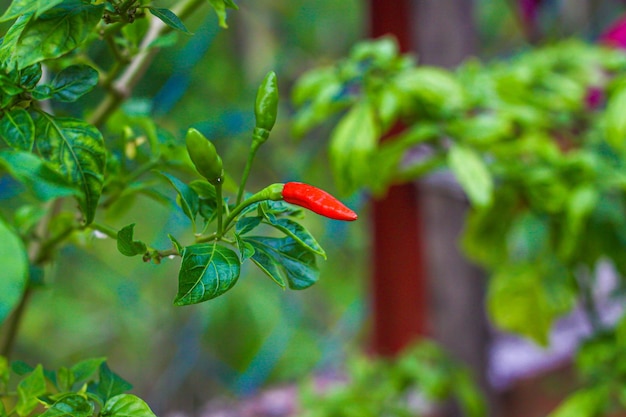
point(14, 270)
point(169, 18)
point(352, 143)
point(63, 28)
point(71, 405)
point(297, 232)
point(18, 129)
point(472, 173)
point(110, 384)
point(285, 261)
point(126, 405)
point(37, 175)
point(21, 7)
point(207, 271)
point(73, 82)
point(77, 149)
point(125, 243)
point(28, 391)
point(188, 197)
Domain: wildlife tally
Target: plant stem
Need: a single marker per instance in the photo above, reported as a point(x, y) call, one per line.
point(121, 89)
point(246, 172)
point(36, 252)
point(220, 206)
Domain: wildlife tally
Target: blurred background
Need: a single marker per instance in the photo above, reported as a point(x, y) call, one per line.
point(257, 336)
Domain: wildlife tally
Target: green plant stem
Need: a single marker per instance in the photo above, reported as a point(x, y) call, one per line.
point(121, 89)
point(272, 192)
point(36, 252)
point(246, 172)
point(107, 230)
point(219, 199)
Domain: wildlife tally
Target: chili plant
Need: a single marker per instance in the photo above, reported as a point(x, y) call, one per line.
point(537, 144)
point(70, 163)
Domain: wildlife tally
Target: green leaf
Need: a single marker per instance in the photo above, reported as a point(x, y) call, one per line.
point(527, 298)
point(247, 224)
point(29, 388)
point(169, 18)
point(30, 76)
point(21, 7)
point(220, 9)
point(472, 174)
point(590, 402)
point(77, 149)
point(18, 129)
point(207, 271)
point(85, 369)
point(245, 248)
point(188, 197)
point(126, 405)
point(71, 405)
point(50, 35)
point(125, 243)
point(37, 175)
point(297, 232)
point(614, 121)
point(352, 142)
point(110, 384)
point(14, 270)
point(73, 82)
point(285, 261)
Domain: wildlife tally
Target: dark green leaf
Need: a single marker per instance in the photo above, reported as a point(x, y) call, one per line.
point(71, 405)
point(247, 224)
point(126, 405)
point(42, 92)
point(188, 198)
point(30, 76)
point(28, 390)
point(245, 248)
point(125, 243)
point(37, 175)
point(284, 260)
point(472, 173)
point(21, 7)
point(298, 232)
point(207, 271)
point(21, 367)
point(18, 129)
point(110, 384)
point(73, 82)
point(50, 35)
point(77, 149)
point(14, 270)
point(84, 370)
point(169, 18)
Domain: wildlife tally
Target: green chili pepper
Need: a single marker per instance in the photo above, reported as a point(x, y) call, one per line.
point(204, 156)
point(316, 200)
point(266, 107)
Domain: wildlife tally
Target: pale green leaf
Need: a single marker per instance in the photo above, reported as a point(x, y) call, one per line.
point(126, 405)
point(472, 173)
point(352, 143)
point(29, 389)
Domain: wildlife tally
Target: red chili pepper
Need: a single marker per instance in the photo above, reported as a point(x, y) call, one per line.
point(316, 200)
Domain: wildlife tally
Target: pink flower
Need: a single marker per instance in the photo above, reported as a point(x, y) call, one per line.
point(615, 35)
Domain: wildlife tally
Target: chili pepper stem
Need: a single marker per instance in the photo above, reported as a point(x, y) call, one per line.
point(246, 172)
point(271, 192)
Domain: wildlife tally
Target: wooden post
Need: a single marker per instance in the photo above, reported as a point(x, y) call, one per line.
point(398, 286)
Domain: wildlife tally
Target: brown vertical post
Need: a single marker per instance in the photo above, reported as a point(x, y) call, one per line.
point(399, 278)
